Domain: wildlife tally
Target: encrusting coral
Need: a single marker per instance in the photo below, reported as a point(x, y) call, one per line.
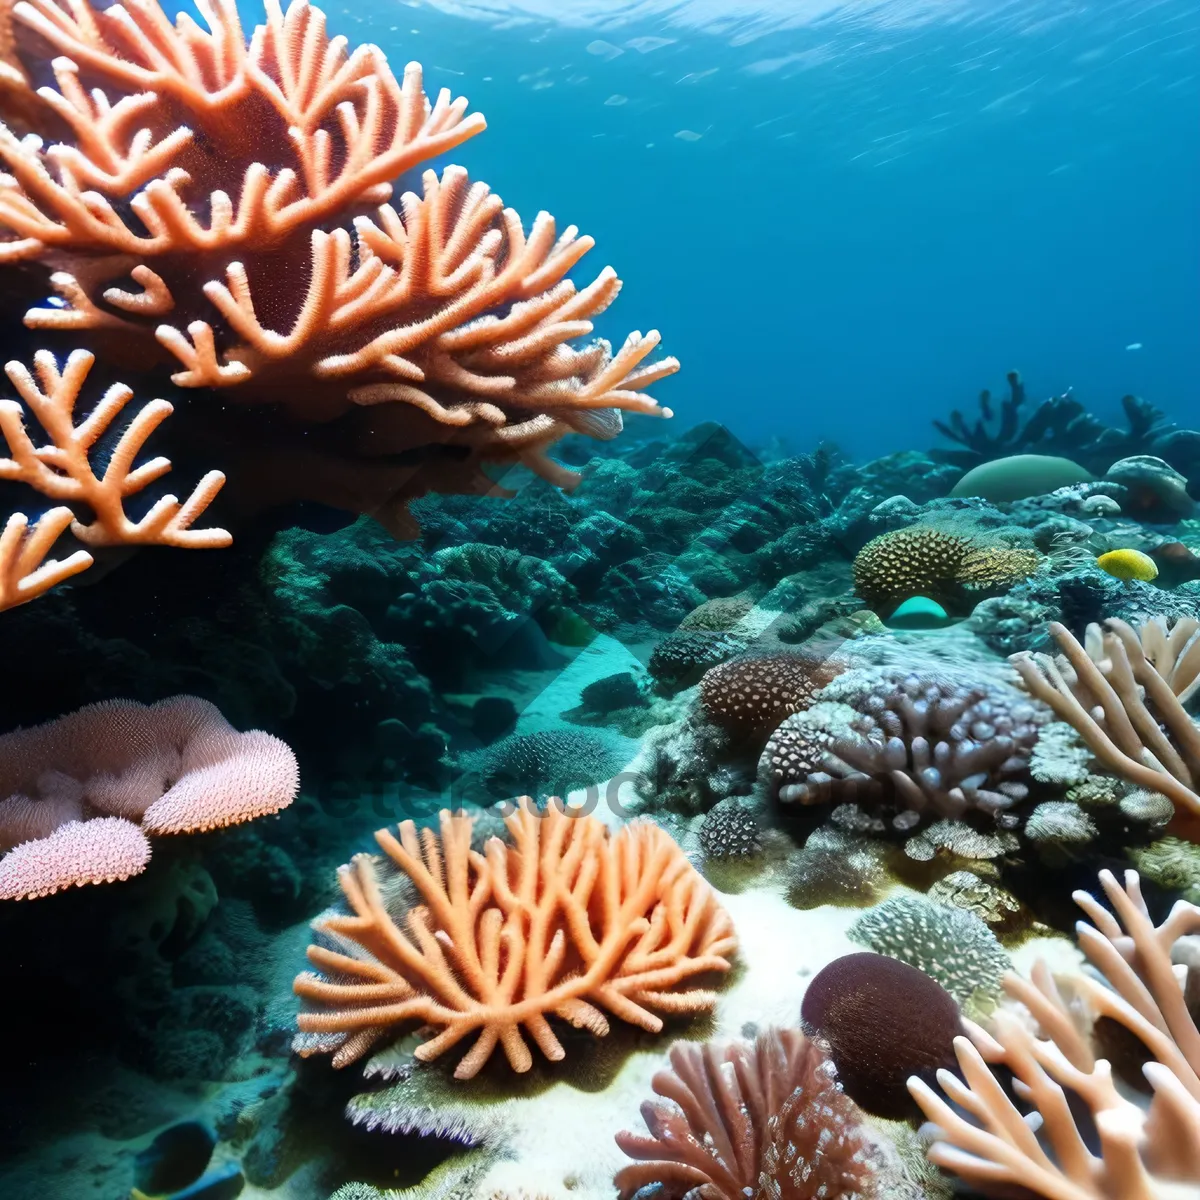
point(80, 794)
point(764, 1118)
point(62, 471)
point(1123, 693)
point(751, 695)
point(241, 267)
point(951, 946)
point(954, 569)
point(1139, 1153)
point(564, 921)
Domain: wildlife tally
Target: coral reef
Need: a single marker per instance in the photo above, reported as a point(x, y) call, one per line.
point(1138, 1152)
point(765, 1118)
point(683, 658)
point(1020, 477)
point(440, 321)
point(586, 922)
point(548, 762)
point(954, 569)
point(730, 830)
point(83, 792)
point(750, 696)
point(1062, 425)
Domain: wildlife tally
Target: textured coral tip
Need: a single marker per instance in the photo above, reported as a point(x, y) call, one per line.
point(78, 853)
point(253, 775)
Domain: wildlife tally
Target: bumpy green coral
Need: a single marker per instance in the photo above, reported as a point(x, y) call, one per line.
point(1173, 864)
point(948, 944)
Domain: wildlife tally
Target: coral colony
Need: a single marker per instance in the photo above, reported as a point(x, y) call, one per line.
point(722, 787)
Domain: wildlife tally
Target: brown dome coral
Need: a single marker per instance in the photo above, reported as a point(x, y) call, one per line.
point(751, 695)
point(278, 269)
point(954, 569)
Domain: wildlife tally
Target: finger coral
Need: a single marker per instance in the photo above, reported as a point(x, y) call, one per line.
point(1120, 696)
point(564, 920)
point(940, 745)
point(764, 1118)
point(61, 470)
point(78, 795)
point(954, 569)
point(277, 268)
point(1138, 1153)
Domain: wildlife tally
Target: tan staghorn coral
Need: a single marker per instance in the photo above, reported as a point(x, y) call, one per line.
point(1125, 707)
point(298, 282)
point(1141, 1152)
point(764, 1119)
point(954, 569)
point(78, 795)
point(563, 921)
point(1172, 648)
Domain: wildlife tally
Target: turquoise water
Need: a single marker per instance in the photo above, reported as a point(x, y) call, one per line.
point(848, 218)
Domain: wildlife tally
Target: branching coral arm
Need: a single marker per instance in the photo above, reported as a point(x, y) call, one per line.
point(1159, 692)
point(486, 951)
point(1140, 989)
point(1043, 680)
point(24, 572)
point(62, 471)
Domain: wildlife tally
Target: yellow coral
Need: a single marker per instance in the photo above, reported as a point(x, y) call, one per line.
point(1128, 564)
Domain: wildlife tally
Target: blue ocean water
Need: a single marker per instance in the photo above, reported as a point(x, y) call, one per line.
point(806, 701)
point(848, 218)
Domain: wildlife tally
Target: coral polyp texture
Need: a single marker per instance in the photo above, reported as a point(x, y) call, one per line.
point(954, 569)
point(1123, 692)
point(1125, 1150)
point(750, 696)
point(279, 269)
point(940, 745)
point(61, 470)
point(564, 920)
point(764, 1118)
point(81, 794)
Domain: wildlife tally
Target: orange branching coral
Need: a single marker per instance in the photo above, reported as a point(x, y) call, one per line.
point(61, 470)
point(24, 572)
point(564, 921)
point(247, 274)
point(763, 1119)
